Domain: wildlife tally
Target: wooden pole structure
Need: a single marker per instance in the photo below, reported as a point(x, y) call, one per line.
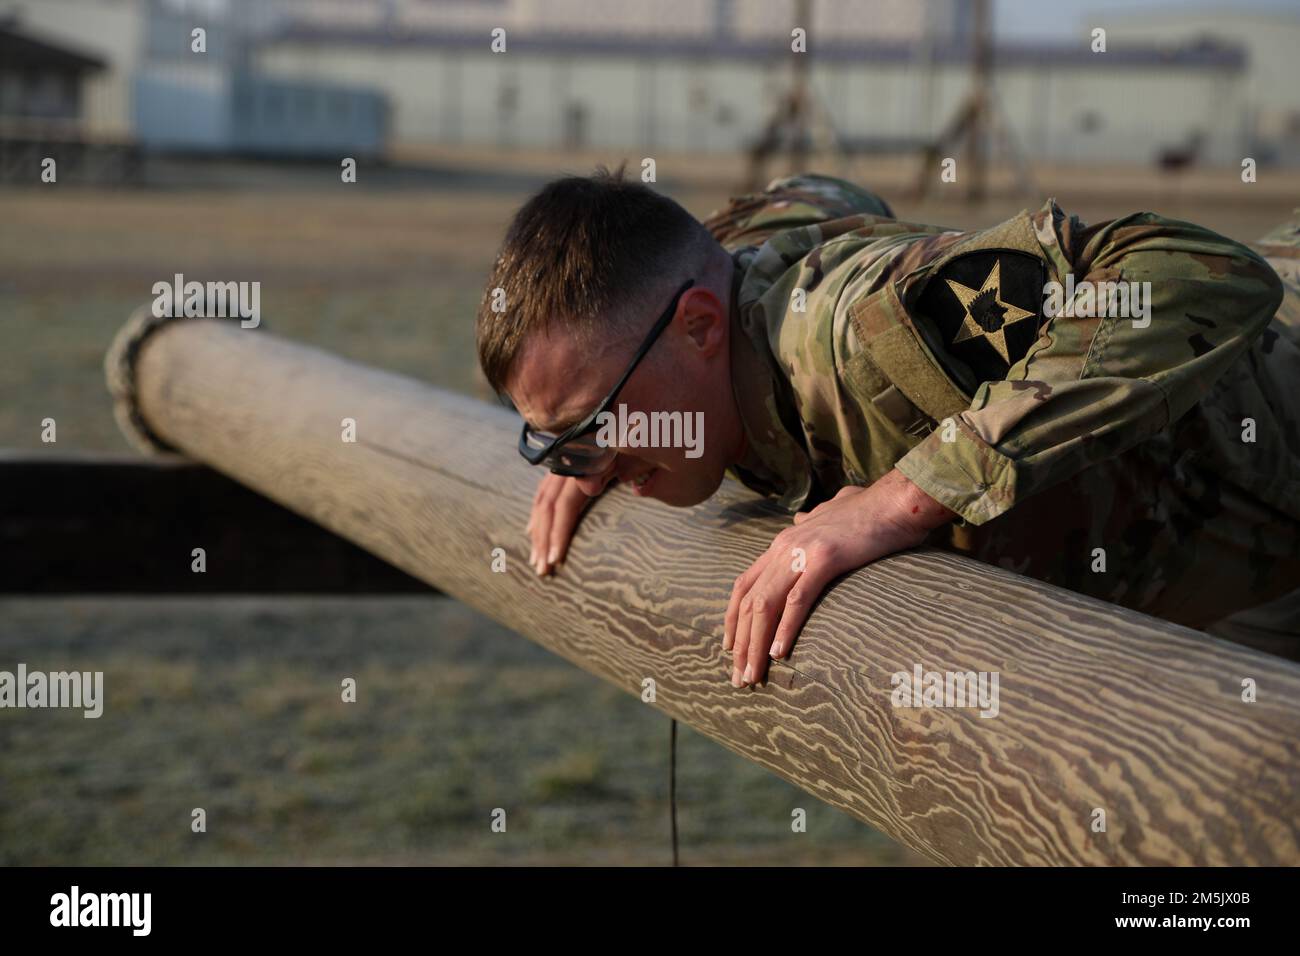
point(982, 97)
point(1106, 718)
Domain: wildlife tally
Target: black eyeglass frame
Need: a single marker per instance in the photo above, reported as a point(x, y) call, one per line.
point(536, 456)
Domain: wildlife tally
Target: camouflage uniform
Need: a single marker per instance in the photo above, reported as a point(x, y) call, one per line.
point(871, 343)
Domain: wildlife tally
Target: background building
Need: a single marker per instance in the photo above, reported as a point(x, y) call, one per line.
point(42, 82)
point(684, 75)
point(1267, 109)
point(158, 91)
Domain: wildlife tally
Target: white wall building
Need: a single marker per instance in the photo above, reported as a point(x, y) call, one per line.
point(703, 74)
point(1270, 94)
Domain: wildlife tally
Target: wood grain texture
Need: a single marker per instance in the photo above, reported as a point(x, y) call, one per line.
point(1099, 707)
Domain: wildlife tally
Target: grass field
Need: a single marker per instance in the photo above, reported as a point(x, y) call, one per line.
point(233, 705)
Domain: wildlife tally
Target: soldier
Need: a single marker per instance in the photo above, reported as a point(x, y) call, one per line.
point(1110, 408)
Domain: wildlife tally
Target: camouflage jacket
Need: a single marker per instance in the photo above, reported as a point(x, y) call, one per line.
point(871, 343)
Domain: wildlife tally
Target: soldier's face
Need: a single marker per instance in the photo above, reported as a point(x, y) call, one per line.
point(683, 384)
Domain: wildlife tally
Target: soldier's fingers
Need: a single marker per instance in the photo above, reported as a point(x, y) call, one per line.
point(528, 528)
point(741, 645)
point(744, 627)
point(769, 595)
point(798, 603)
point(562, 490)
point(544, 488)
point(537, 542)
point(567, 510)
point(543, 515)
point(533, 533)
point(532, 518)
point(760, 634)
point(738, 590)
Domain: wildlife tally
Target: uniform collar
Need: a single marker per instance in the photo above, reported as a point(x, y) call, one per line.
point(774, 463)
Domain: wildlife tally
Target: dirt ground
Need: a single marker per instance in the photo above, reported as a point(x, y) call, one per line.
point(232, 704)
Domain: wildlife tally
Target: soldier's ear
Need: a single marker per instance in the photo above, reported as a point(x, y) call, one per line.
point(704, 320)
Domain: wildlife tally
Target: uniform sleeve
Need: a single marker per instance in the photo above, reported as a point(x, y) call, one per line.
point(1092, 387)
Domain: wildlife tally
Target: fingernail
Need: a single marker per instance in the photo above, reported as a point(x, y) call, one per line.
point(749, 674)
point(776, 649)
point(553, 556)
point(532, 557)
point(735, 678)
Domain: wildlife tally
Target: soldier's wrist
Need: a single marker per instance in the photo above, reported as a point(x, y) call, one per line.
point(914, 509)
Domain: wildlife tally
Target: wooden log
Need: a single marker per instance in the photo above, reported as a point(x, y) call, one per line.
point(1102, 711)
point(75, 524)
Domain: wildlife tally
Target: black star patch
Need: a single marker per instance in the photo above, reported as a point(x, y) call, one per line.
point(988, 306)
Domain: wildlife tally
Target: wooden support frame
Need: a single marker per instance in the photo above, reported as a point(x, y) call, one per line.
point(76, 524)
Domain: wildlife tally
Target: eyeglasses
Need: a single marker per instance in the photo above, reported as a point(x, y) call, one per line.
point(575, 451)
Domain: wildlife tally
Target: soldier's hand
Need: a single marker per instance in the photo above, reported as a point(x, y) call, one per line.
point(557, 506)
point(770, 602)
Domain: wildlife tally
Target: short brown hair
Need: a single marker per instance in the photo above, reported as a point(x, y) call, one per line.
point(585, 252)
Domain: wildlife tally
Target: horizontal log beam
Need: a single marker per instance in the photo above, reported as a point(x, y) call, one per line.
point(1101, 709)
point(76, 524)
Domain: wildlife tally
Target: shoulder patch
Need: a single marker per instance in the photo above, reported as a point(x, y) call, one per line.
point(988, 306)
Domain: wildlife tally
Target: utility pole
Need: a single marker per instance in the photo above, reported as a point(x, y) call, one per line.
point(789, 128)
point(981, 102)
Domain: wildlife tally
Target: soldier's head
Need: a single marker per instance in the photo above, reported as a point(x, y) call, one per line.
point(588, 268)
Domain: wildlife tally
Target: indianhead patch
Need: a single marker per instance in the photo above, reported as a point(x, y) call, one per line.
point(988, 307)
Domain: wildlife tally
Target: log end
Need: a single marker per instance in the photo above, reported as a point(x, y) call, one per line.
point(119, 373)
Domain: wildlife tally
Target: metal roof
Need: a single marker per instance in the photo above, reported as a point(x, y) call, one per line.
point(26, 51)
